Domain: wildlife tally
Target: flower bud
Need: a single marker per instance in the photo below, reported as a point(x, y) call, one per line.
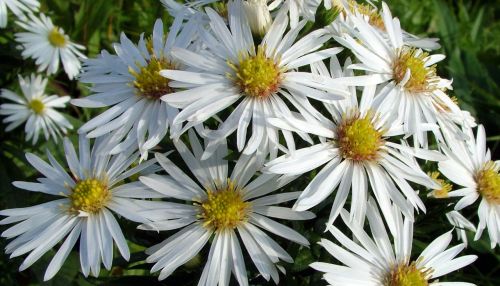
point(258, 16)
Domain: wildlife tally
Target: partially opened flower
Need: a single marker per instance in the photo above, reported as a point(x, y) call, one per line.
point(470, 166)
point(87, 197)
point(36, 109)
point(259, 76)
point(18, 7)
point(220, 209)
point(377, 260)
point(48, 45)
point(129, 82)
point(360, 152)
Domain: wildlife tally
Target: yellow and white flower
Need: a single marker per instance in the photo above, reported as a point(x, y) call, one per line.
point(377, 260)
point(36, 109)
point(358, 151)
point(256, 78)
point(87, 197)
point(48, 45)
point(131, 85)
point(223, 210)
point(470, 166)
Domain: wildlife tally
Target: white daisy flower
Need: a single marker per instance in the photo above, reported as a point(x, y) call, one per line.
point(48, 44)
point(411, 87)
point(375, 261)
point(88, 195)
point(131, 85)
point(18, 7)
point(358, 153)
point(219, 208)
point(233, 69)
point(36, 109)
point(470, 165)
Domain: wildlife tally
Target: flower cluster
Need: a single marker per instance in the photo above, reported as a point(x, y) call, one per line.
point(252, 96)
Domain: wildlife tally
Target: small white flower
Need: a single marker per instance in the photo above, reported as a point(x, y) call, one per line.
point(375, 261)
point(411, 87)
point(260, 79)
point(36, 109)
point(358, 153)
point(88, 193)
point(130, 83)
point(48, 44)
point(470, 165)
point(18, 7)
point(222, 209)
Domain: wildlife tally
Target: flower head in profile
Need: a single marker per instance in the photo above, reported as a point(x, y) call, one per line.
point(18, 7)
point(470, 166)
point(131, 85)
point(256, 78)
point(87, 197)
point(222, 209)
point(48, 45)
point(36, 109)
point(358, 151)
point(377, 260)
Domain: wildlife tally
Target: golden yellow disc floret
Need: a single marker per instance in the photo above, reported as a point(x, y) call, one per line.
point(148, 81)
point(488, 183)
point(256, 76)
point(408, 275)
point(421, 77)
point(358, 139)
point(56, 38)
point(441, 193)
point(89, 195)
point(224, 208)
point(37, 106)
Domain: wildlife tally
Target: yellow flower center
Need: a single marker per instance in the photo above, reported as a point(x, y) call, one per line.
point(37, 106)
point(408, 275)
point(148, 81)
point(256, 76)
point(358, 139)
point(56, 38)
point(421, 77)
point(445, 187)
point(224, 208)
point(488, 183)
point(89, 195)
